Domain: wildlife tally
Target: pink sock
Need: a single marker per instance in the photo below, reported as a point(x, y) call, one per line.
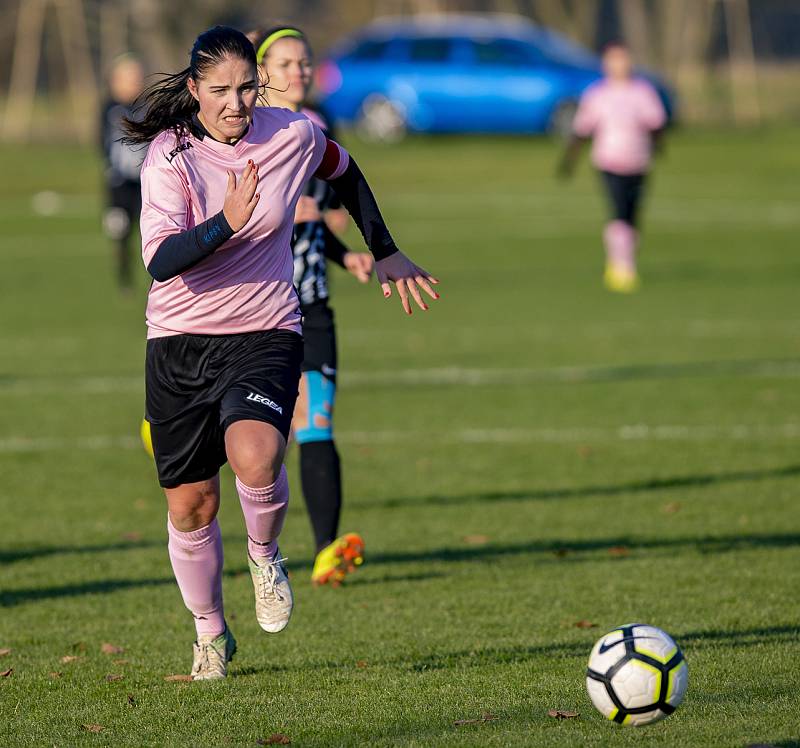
point(196, 558)
point(620, 241)
point(264, 511)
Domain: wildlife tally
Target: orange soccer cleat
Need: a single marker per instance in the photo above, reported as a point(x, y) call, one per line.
point(337, 560)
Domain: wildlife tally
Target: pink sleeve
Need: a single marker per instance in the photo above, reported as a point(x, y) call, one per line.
point(654, 117)
point(165, 204)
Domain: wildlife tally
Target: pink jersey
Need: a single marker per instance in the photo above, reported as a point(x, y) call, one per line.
point(620, 117)
point(247, 284)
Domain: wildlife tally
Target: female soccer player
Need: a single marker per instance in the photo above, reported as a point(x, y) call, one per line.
point(623, 115)
point(285, 59)
point(220, 184)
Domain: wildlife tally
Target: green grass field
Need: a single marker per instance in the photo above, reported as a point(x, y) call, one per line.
point(532, 453)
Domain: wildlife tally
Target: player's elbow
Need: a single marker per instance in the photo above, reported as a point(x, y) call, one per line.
point(158, 269)
point(158, 273)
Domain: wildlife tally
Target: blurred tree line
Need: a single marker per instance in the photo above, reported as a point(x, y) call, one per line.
point(729, 59)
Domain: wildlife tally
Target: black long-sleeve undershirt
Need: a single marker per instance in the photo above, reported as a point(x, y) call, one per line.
point(181, 251)
point(356, 195)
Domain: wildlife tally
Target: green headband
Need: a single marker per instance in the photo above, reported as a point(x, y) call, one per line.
point(272, 38)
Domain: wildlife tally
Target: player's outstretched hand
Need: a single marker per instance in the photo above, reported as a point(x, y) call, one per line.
point(408, 278)
point(359, 264)
point(241, 198)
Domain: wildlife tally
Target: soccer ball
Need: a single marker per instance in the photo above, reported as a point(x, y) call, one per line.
point(147, 439)
point(636, 675)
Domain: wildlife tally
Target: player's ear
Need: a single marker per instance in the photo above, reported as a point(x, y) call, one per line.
point(192, 86)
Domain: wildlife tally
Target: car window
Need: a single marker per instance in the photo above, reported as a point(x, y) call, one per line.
point(564, 51)
point(370, 49)
point(503, 52)
point(429, 49)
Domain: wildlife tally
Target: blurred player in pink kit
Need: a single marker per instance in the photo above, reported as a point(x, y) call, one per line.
point(220, 186)
point(623, 116)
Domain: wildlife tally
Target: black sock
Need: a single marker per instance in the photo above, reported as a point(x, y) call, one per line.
point(321, 478)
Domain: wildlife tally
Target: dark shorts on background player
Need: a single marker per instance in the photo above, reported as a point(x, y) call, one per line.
point(625, 193)
point(319, 369)
point(123, 209)
point(198, 385)
point(319, 338)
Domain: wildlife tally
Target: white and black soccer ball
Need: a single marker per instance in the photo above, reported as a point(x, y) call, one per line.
point(636, 675)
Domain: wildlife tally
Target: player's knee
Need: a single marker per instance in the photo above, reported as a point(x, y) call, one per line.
point(255, 452)
point(254, 466)
point(193, 508)
point(258, 475)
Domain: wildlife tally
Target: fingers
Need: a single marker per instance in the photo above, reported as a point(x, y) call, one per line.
point(231, 183)
point(426, 286)
point(249, 181)
point(383, 280)
point(426, 275)
point(251, 206)
point(414, 291)
point(402, 291)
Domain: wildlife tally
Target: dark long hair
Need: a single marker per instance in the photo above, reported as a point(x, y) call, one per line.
point(167, 104)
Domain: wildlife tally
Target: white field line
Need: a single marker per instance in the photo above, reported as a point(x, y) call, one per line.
point(572, 435)
point(447, 376)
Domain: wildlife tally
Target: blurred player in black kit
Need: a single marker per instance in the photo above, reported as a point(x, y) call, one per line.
point(122, 163)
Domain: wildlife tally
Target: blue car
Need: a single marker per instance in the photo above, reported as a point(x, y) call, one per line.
point(457, 73)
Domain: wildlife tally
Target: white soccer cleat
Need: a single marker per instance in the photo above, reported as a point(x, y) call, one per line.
point(274, 599)
point(212, 655)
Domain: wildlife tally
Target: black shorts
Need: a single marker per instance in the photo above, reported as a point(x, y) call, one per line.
point(198, 385)
point(319, 337)
point(625, 193)
point(127, 196)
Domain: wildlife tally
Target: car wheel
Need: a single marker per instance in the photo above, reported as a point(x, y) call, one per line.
point(561, 119)
point(380, 120)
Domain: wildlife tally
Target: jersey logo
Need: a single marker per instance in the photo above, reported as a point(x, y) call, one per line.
point(328, 371)
point(261, 400)
point(180, 147)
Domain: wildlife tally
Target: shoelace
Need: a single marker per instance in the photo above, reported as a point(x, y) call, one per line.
point(204, 663)
point(269, 579)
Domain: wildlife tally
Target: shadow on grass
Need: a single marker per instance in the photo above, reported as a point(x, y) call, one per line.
point(642, 486)
point(632, 487)
point(9, 598)
point(27, 554)
point(617, 549)
point(493, 656)
point(389, 578)
point(687, 641)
